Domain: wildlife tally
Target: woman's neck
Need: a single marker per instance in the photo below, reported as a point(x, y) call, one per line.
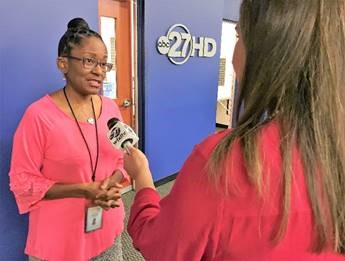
point(76, 97)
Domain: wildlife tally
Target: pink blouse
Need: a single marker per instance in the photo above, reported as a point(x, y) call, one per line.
point(49, 148)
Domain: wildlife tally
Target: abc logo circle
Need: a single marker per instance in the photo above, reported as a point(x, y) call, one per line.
point(163, 44)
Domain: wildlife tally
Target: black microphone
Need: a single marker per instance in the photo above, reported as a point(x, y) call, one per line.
point(121, 135)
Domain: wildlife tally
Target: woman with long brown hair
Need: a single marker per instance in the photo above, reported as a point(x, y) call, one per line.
point(273, 188)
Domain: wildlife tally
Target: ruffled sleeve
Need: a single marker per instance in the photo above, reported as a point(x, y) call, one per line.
point(26, 179)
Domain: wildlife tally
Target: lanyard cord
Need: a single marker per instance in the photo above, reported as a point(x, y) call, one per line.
point(93, 170)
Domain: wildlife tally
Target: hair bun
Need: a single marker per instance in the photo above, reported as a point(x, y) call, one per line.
point(77, 23)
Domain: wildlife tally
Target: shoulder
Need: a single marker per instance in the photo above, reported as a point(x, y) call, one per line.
point(109, 107)
point(206, 146)
point(268, 143)
point(38, 107)
point(108, 102)
point(39, 112)
point(268, 137)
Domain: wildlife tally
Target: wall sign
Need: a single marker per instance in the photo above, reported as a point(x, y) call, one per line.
point(179, 45)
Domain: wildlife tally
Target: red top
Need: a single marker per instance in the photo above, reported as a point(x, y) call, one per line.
point(194, 222)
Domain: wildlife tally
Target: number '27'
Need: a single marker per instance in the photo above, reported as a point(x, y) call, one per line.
point(180, 37)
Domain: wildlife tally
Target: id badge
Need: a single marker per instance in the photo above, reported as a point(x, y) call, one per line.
point(93, 218)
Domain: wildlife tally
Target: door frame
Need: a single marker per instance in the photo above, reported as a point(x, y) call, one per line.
point(134, 70)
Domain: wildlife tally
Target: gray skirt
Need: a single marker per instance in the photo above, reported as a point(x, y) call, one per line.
point(114, 253)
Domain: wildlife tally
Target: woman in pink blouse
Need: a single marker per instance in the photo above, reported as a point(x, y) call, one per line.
point(64, 171)
point(273, 188)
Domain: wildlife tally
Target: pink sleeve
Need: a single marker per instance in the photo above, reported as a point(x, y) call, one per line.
point(123, 171)
point(119, 166)
point(182, 226)
point(26, 180)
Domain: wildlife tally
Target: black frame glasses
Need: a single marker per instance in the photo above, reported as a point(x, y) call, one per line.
point(90, 63)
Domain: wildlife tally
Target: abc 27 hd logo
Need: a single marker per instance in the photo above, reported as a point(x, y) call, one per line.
point(179, 45)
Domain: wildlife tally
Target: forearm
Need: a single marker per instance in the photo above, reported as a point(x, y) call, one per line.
point(144, 180)
point(137, 166)
point(58, 191)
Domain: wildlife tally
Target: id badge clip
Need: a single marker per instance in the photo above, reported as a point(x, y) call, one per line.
point(93, 218)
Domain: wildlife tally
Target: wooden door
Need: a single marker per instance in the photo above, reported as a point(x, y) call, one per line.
point(115, 29)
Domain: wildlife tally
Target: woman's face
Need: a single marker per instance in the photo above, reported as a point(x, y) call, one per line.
point(239, 56)
point(86, 81)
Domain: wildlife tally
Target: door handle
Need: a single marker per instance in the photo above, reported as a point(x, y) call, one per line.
point(126, 103)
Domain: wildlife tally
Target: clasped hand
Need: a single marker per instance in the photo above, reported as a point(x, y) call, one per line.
point(106, 193)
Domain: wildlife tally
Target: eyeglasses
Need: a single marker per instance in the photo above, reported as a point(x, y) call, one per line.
point(90, 63)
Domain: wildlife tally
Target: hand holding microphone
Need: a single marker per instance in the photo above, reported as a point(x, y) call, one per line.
point(121, 135)
point(136, 164)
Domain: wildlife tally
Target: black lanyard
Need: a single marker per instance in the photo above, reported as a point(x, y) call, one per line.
point(93, 170)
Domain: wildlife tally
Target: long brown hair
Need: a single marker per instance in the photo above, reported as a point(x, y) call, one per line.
point(295, 69)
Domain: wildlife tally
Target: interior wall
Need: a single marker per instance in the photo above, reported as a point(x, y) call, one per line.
point(231, 10)
point(180, 100)
point(30, 31)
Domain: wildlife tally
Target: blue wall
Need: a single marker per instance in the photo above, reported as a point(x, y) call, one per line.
point(30, 31)
point(180, 101)
point(231, 10)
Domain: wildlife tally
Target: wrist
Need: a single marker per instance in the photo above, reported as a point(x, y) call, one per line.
point(83, 190)
point(117, 176)
point(143, 180)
